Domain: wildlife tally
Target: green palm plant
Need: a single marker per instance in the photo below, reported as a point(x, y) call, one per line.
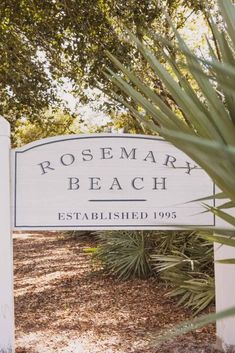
point(125, 254)
point(195, 290)
point(204, 124)
point(181, 260)
point(185, 262)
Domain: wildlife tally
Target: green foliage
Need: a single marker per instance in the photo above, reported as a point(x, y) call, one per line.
point(195, 292)
point(126, 123)
point(185, 261)
point(204, 125)
point(194, 324)
point(44, 42)
point(182, 260)
point(190, 247)
point(125, 254)
point(50, 124)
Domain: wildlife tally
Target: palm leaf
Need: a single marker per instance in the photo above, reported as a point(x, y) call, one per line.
point(191, 325)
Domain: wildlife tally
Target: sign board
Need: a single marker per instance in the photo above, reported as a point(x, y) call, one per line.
point(107, 181)
point(101, 182)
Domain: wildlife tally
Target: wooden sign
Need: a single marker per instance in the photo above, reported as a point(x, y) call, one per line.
point(107, 181)
point(101, 182)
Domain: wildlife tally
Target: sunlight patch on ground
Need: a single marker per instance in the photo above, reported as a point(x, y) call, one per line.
point(45, 282)
point(85, 343)
point(23, 236)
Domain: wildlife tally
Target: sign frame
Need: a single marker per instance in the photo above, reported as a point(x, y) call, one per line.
point(63, 139)
point(224, 285)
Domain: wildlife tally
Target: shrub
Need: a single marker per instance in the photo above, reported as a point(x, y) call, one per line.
point(182, 260)
point(125, 254)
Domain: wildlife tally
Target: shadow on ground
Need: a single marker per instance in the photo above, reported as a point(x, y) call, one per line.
point(62, 306)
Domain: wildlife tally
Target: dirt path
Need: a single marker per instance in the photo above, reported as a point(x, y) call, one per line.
point(62, 306)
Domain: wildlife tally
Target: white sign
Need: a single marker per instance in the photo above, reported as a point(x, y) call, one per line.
point(101, 182)
point(107, 181)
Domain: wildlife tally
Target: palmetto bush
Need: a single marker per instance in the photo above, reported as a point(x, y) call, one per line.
point(185, 262)
point(181, 260)
point(188, 246)
point(125, 254)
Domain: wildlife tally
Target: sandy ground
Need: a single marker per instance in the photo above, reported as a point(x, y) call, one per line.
point(64, 305)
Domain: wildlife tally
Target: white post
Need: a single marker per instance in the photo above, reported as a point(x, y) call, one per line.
point(6, 248)
point(225, 296)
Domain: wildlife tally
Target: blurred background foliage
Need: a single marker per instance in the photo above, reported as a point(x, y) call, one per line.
point(47, 44)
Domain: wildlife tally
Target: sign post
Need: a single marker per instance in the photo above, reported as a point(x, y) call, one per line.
point(225, 296)
point(6, 248)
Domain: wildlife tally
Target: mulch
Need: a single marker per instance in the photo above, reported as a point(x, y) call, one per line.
point(64, 303)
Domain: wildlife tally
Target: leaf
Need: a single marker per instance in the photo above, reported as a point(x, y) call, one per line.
point(150, 94)
point(225, 216)
point(220, 195)
point(226, 261)
point(226, 205)
point(156, 114)
point(195, 115)
point(228, 12)
point(190, 325)
point(220, 239)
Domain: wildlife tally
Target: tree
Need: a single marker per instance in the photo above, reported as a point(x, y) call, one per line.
point(43, 42)
point(51, 123)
